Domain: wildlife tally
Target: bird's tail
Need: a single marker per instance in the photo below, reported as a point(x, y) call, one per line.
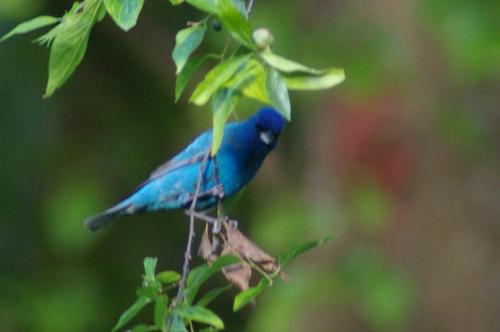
point(102, 219)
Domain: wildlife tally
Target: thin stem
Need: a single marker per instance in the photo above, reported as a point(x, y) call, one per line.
point(249, 7)
point(202, 217)
point(261, 271)
point(187, 254)
point(224, 51)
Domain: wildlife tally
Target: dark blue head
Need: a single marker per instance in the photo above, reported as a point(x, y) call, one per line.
point(268, 124)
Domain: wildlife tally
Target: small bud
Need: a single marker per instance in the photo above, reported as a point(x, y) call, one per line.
point(216, 25)
point(262, 38)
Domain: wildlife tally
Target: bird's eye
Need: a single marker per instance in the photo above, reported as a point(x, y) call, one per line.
point(259, 127)
point(266, 137)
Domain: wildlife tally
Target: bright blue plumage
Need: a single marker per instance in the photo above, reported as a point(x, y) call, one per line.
point(172, 185)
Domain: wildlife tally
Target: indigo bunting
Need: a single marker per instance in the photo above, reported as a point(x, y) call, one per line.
point(173, 185)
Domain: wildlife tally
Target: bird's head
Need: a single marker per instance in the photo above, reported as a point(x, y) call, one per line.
point(268, 126)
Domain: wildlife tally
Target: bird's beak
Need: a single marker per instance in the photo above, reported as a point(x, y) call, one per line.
point(267, 137)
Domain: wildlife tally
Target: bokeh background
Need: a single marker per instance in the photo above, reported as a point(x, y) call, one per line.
point(400, 164)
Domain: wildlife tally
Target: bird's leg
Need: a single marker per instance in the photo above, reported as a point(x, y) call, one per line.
point(216, 227)
point(220, 218)
point(219, 189)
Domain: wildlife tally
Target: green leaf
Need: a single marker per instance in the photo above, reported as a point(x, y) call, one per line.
point(101, 14)
point(124, 12)
point(299, 249)
point(168, 277)
point(160, 313)
point(201, 315)
point(245, 75)
point(208, 329)
point(216, 77)
point(185, 75)
point(140, 328)
point(176, 2)
point(69, 43)
point(277, 93)
point(235, 21)
point(177, 324)
point(150, 267)
point(130, 313)
point(246, 296)
point(204, 5)
point(150, 292)
point(200, 274)
point(252, 83)
point(186, 42)
point(225, 100)
point(223, 105)
point(287, 66)
point(256, 89)
point(212, 295)
point(301, 81)
point(46, 39)
point(33, 24)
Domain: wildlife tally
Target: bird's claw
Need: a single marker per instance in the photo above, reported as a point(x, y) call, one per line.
point(219, 191)
point(217, 226)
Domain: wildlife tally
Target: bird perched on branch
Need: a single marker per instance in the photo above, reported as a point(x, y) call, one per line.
point(173, 185)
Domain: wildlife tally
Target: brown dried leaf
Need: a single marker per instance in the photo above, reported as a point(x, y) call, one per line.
point(238, 274)
point(241, 245)
point(206, 250)
point(237, 244)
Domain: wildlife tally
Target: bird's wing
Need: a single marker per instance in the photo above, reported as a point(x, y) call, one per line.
point(193, 153)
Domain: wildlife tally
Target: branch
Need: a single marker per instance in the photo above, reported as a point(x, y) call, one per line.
point(191, 212)
point(249, 7)
point(218, 192)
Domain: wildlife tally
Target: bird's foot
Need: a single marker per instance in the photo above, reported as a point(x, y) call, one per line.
point(217, 225)
point(219, 191)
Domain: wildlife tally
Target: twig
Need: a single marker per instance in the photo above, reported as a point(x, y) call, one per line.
point(192, 213)
point(187, 254)
point(249, 7)
point(202, 217)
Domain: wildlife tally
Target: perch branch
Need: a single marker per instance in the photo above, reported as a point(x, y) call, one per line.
point(218, 192)
point(249, 7)
point(191, 212)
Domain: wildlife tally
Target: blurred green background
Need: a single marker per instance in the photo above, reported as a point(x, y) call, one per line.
point(400, 164)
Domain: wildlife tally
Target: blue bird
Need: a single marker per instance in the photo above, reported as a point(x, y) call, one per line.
point(173, 185)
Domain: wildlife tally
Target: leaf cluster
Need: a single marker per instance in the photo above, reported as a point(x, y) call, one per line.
point(157, 289)
point(246, 67)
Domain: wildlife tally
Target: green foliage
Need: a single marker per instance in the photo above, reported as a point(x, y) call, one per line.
point(201, 315)
point(189, 68)
point(248, 295)
point(186, 42)
point(202, 273)
point(171, 316)
point(277, 93)
point(124, 12)
point(252, 71)
point(70, 38)
point(208, 6)
point(299, 249)
point(212, 295)
point(168, 277)
point(217, 77)
point(236, 21)
point(28, 26)
point(246, 67)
